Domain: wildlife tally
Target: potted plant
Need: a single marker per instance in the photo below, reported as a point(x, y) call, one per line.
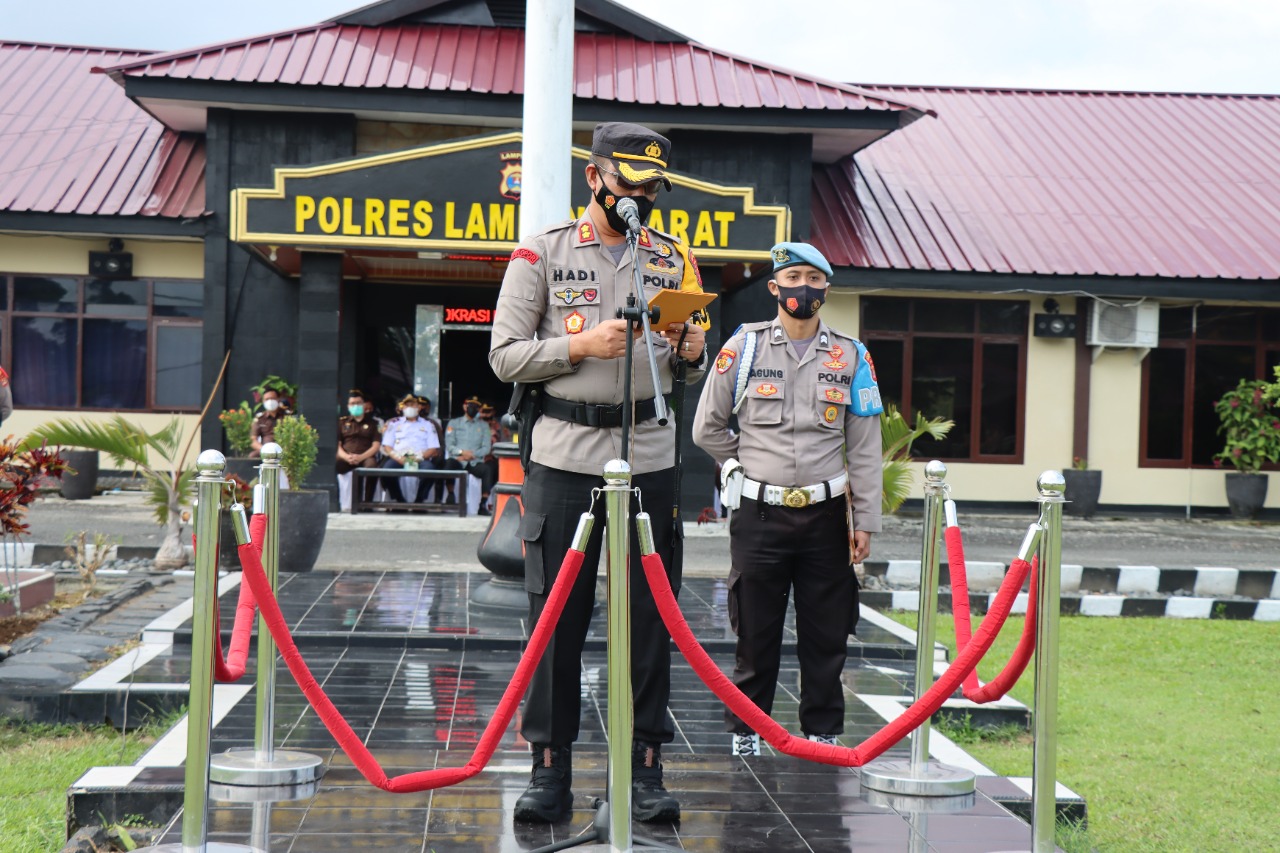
point(1250, 427)
point(168, 486)
point(80, 480)
point(896, 438)
point(304, 513)
point(237, 423)
point(1083, 488)
point(21, 473)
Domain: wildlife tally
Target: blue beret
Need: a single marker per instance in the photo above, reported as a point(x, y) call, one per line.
point(792, 254)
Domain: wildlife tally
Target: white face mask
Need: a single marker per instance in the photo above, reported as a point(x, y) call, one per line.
point(410, 412)
point(270, 405)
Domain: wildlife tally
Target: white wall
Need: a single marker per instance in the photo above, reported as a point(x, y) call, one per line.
point(1114, 424)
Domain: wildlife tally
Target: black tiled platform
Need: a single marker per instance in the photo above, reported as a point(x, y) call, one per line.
point(418, 670)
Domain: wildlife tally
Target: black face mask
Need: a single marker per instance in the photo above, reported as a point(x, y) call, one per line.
point(609, 204)
point(801, 302)
point(472, 411)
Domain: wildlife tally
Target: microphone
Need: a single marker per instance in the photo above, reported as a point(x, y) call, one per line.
point(630, 213)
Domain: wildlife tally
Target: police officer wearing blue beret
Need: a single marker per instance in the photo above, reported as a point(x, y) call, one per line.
point(803, 474)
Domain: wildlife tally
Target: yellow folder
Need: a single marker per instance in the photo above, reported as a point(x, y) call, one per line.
point(677, 306)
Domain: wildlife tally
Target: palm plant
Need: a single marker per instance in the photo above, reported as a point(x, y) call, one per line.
point(129, 444)
point(896, 438)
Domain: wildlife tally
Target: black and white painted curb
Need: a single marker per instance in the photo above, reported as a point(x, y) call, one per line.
point(1206, 592)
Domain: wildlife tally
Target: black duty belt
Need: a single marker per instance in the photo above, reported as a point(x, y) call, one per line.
point(594, 414)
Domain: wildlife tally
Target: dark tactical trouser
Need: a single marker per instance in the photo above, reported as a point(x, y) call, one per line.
point(553, 501)
point(774, 549)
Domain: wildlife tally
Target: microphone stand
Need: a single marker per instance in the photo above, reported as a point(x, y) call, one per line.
point(638, 311)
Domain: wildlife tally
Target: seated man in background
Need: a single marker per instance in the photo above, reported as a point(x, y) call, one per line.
point(467, 442)
point(358, 443)
point(410, 436)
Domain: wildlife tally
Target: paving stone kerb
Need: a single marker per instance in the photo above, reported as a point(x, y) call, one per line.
point(386, 540)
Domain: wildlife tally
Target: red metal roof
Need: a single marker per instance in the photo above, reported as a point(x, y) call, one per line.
point(73, 143)
point(1063, 183)
point(441, 57)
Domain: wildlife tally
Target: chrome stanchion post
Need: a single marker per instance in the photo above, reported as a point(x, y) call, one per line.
point(195, 782)
point(617, 493)
point(919, 776)
point(265, 712)
point(264, 765)
point(1044, 799)
point(935, 474)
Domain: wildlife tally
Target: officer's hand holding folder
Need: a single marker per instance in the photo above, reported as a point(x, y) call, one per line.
point(679, 306)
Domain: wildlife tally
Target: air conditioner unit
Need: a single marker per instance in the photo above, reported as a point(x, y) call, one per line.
point(1124, 325)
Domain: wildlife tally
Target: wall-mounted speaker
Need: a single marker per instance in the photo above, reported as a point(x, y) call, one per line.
point(111, 264)
point(1055, 326)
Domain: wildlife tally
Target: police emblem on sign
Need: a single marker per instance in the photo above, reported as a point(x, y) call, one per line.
point(509, 176)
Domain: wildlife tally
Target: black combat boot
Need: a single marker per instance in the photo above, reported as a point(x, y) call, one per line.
point(649, 800)
point(548, 798)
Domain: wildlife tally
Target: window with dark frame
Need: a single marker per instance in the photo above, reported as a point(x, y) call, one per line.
point(1204, 351)
point(107, 344)
point(961, 359)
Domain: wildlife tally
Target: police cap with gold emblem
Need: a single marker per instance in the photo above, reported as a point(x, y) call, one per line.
point(793, 254)
point(638, 154)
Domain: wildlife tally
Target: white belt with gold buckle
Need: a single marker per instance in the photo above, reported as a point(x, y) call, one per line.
point(796, 497)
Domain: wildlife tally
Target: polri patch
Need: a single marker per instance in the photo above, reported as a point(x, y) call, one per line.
point(574, 323)
point(523, 254)
point(768, 389)
point(725, 360)
point(831, 414)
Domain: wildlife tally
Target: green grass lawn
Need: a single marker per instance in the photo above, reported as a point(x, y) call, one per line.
point(1169, 728)
point(37, 765)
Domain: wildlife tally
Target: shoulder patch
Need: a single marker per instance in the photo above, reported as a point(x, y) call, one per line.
point(725, 360)
point(523, 254)
point(586, 233)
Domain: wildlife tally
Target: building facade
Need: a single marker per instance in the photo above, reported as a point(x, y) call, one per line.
point(1063, 274)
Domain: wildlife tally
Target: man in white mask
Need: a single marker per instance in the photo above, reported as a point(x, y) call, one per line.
point(263, 431)
point(410, 436)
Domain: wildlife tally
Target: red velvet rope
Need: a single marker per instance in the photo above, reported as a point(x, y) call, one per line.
point(1002, 683)
point(231, 667)
point(787, 743)
point(342, 732)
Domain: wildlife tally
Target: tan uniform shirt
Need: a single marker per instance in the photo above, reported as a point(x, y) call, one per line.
point(563, 282)
point(799, 424)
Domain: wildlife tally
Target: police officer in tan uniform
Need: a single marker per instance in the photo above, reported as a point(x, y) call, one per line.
point(807, 406)
point(556, 324)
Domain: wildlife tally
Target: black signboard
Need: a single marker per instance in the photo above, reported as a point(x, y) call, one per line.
point(464, 196)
